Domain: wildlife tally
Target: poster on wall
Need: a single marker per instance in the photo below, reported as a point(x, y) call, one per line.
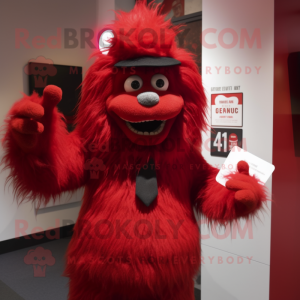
point(224, 139)
point(188, 38)
point(172, 8)
point(227, 109)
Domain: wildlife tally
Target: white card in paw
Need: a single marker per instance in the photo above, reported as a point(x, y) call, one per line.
point(257, 166)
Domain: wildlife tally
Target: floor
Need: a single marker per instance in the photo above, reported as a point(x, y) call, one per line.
point(21, 280)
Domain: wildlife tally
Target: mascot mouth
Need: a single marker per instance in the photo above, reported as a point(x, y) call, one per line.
point(147, 127)
point(142, 125)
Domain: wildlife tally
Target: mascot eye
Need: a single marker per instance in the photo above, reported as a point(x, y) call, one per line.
point(160, 82)
point(133, 83)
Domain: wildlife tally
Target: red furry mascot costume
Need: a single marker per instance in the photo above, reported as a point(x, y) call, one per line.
point(139, 127)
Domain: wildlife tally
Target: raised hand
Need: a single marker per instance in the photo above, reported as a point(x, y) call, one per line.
point(31, 121)
point(43, 158)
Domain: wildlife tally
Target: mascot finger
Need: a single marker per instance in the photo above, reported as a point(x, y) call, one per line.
point(243, 167)
point(51, 97)
point(27, 126)
point(234, 184)
point(30, 109)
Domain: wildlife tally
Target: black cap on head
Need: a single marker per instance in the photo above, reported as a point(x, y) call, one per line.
point(149, 61)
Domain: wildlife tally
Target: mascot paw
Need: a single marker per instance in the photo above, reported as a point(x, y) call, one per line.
point(247, 189)
point(28, 117)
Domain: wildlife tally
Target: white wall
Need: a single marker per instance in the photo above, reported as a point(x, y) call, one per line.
point(43, 19)
point(245, 280)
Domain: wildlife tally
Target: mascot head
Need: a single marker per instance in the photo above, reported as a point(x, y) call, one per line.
point(142, 87)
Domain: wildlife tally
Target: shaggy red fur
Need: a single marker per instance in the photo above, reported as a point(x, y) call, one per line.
point(122, 249)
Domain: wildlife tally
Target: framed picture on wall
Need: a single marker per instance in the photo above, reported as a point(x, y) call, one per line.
point(190, 36)
point(188, 13)
point(172, 8)
point(178, 8)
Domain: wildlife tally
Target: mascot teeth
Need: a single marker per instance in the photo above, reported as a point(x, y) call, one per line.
point(149, 127)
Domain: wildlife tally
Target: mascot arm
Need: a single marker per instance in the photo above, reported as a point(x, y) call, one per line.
point(243, 195)
point(43, 158)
